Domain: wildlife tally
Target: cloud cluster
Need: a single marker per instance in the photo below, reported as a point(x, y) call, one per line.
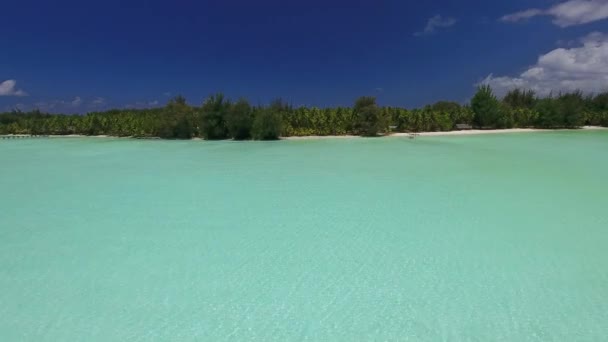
point(435, 23)
point(569, 13)
point(143, 104)
point(75, 105)
point(76, 102)
point(584, 68)
point(98, 101)
point(9, 88)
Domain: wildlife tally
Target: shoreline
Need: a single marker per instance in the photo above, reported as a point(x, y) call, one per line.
point(346, 136)
point(452, 133)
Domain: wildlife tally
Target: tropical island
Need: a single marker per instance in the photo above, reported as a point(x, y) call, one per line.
point(220, 118)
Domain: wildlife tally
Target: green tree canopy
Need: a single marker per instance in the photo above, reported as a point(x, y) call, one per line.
point(213, 117)
point(518, 98)
point(485, 106)
point(219, 118)
point(571, 106)
point(548, 113)
point(239, 120)
point(370, 119)
point(267, 123)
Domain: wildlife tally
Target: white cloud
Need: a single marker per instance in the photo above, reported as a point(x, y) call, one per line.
point(582, 68)
point(143, 104)
point(434, 23)
point(8, 88)
point(569, 13)
point(77, 101)
point(17, 107)
point(75, 105)
point(54, 105)
point(98, 101)
point(527, 14)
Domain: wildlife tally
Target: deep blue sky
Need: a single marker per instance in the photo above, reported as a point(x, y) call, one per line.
point(321, 53)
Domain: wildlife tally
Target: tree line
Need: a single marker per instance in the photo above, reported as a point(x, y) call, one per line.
point(221, 118)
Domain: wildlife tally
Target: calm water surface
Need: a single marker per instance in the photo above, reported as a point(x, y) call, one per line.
point(476, 238)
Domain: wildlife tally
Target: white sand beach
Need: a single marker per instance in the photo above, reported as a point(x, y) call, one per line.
point(396, 135)
point(446, 133)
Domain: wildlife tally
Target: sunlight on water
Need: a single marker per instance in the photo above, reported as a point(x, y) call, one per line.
point(489, 238)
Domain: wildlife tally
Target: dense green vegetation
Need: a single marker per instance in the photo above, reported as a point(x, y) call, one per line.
point(370, 119)
point(221, 118)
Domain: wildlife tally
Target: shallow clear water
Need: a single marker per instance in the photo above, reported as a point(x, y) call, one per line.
point(488, 238)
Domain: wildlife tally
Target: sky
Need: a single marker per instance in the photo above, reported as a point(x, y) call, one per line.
point(79, 56)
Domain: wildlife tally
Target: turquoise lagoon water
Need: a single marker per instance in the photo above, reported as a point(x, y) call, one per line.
point(472, 238)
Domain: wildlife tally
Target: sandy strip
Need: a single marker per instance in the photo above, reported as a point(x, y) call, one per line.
point(499, 131)
point(81, 136)
point(396, 135)
point(465, 132)
point(313, 137)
